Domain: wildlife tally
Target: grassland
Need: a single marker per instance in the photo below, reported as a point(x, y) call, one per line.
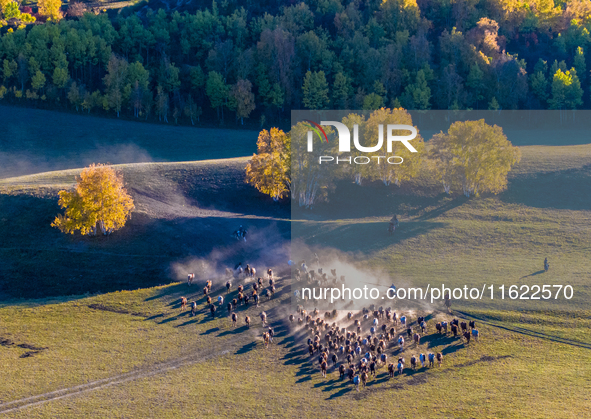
point(533, 358)
point(36, 141)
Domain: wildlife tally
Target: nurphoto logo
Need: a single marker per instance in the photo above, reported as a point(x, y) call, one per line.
point(345, 142)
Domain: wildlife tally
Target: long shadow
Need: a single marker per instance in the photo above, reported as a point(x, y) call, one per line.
point(571, 189)
point(447, 205)
point(533, 274)
point(210, 331)
point(234, 331)
point(138, 256)
point(528, 332)
point(436, 339)
point(173, 318)
point(340, 393)
point(246, 348)
point(351, 237)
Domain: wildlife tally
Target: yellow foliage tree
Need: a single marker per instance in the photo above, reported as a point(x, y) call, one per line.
point(409, 166)
point(98, 202)
point(474, 156)
point(269, 171)
point(50, 9)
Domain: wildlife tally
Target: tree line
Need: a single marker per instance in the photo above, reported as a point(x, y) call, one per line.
point(471, 158)
point(232, 62)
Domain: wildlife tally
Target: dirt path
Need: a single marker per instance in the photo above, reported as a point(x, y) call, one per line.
point(111, 381)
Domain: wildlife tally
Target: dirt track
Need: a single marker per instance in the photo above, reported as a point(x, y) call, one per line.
point(111, 381)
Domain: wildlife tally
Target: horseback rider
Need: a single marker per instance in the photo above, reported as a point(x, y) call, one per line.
point(546, 265)
point(393, 223)
point(447, 302)
point(241, 233)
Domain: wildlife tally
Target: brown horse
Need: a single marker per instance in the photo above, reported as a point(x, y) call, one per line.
point(364, 378)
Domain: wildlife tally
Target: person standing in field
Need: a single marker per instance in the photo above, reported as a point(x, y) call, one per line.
point(447, 302)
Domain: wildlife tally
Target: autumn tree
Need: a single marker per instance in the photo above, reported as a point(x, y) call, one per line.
point(50, 9)
point(398, 169)
point(311, 181)
point(269, 171)
point(98, 203)
point(474, 156)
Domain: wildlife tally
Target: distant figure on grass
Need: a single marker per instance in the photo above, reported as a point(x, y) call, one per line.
point(190, 279)
point(447, 302)
point(546, 265)
point(393, 224)
point(264, 318)
point(247, 321)
point(431, 359)
point(183, 303)
point(240, 233)
point(193, 308)
point(271, 334)
point(250, 271)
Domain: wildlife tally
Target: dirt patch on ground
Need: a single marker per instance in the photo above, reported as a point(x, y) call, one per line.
point(103, 307)
point(7, 343)
point(29, 354)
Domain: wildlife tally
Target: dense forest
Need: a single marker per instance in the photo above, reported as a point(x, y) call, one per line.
point(240, 60)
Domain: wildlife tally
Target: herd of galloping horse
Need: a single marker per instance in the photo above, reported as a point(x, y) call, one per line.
point(355, 354)
point(358, 355)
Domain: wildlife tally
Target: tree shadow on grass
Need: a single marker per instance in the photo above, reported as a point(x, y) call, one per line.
point(351, 237)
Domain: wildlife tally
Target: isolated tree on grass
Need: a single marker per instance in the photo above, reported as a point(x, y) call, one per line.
point(269, 171)
point(98, 202)
point(474, 156)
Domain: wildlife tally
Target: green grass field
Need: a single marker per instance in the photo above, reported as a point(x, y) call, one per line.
point(36, 141)
point(131, 352)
